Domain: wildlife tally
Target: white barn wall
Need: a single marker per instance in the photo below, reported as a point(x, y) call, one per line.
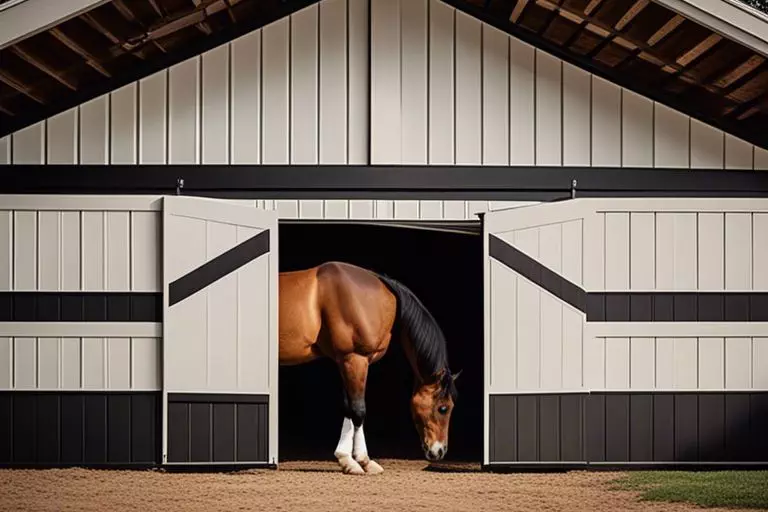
point(444, 89)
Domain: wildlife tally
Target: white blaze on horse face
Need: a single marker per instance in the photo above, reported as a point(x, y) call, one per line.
point(346, 441)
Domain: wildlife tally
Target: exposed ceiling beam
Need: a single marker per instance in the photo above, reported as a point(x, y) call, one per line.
point(14, 83)
point(731, 19)
point(80, 50)
point(42, 66)
point(31, 17)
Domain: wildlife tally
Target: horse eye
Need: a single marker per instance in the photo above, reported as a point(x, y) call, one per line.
point(442, 409)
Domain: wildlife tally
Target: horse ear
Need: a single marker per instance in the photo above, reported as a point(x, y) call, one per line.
point(456, 376)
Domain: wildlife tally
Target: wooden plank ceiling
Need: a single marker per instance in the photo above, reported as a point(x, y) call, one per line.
point(114, 44)
point(636, 43)
point(648, 48)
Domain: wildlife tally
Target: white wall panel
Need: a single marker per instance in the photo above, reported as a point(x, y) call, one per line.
point(25, 251)
point(642, 251)
point(145, 363)
point(617, 363)
point(469, 60)
point(94, 360)
point(94, 131)
point(333, 113)
point(118, 251)
point(49, 243)
point(6, 250)
point(738, 251)
point(572, 251)
point(665, 363)
point(62, 137)
point(93, 261)
point(385, 82)
point(738, 153)
point(29, 145)
point(761, 159)
point(153, 115)
point(760, 251)
point(495, 96)
point(522, 107)
point(275, 134)
point(711, 363)
point(71, 377)
point(118, 363)
point(245, 109)
point(25, 363)
point(184, 112)
point(122, 124)
point(572, 349)
point(594, 363)
point(5, 149)
point(222, 313)
point(504, 327)
point(70, 251)
point(636, 130)
point(760, 363)
point(549, 142)
point(145, 239)
point(215, 102)
point(616, 251)
point(577, 118)
point(359, 86)
point(414, 20)
point(711, 237)
point(304, 86)
point(6, 363)
point(707, 146)
point(738, 367)
point(441, 83)
point(606, 123)
point(642, 363)
point(670, 136)
point(685, 363)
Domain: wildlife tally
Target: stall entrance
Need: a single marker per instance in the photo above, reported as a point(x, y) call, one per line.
point(442, 264)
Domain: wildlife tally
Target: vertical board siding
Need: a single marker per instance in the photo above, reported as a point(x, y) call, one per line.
point(636, 130)
point(245, 109)
point(184, 112)
point(707, 146)
point(62, 138)
point(577, 118)
point(334, 114)
point(606, 123)
point(414, 72)
point(28, 145)
point(385, 123)
point(75, 429)
point(153, 98)
point(275, 104)
point(469, 70)
point(122, 126)
point(548, 109)
point(304, 86)
point(215, 102)
point(101, 364)
point(441, 83)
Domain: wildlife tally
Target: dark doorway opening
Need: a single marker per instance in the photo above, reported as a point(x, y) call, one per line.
point(444, 269)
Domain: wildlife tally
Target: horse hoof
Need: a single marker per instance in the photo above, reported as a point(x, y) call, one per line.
point(350, 466)
point(373, 468)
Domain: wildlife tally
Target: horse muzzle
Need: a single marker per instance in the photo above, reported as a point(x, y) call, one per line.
point(436, 451)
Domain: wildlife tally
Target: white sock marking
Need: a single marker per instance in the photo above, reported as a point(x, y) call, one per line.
point(346, 441)
point(360, 451)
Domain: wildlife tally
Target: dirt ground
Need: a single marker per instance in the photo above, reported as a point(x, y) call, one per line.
point(316, 486)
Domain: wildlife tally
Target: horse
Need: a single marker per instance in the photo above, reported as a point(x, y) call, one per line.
point(351, 314)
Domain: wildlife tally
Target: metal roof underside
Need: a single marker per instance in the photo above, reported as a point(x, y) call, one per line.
point(642, 45)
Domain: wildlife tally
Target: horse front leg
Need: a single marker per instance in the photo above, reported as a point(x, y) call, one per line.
point(351, 451)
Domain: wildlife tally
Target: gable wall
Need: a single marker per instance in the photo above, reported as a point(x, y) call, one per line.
point(444, 89)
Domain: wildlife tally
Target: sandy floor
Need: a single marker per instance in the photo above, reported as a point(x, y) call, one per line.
point(305, 487)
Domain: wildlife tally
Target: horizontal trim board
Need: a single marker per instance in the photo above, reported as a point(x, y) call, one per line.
point(629, 428)
point(675, 329)
point(217, 268)
point(79, 428)
point(219, 398)
point(371, 181)
point(81, 307)
point(82, 329)
point(55, 202)
point(634, 306)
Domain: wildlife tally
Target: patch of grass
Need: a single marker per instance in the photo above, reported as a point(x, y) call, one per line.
point(737, 489)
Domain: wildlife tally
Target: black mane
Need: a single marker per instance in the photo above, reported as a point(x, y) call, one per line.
point(426, 337)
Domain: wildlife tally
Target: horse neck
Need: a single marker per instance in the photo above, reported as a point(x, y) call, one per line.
point(418, 365)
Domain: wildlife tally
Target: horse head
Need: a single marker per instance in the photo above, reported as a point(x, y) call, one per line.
point(431, 407)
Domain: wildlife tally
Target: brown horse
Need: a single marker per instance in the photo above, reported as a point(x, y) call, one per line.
point(350, 315)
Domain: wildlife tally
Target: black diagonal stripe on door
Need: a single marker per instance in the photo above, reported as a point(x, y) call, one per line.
point(632, 306)
point(222, 265)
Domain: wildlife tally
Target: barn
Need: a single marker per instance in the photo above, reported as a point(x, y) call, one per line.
point(572, 187)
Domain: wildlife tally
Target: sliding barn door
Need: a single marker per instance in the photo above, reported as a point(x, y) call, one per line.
point(220, 271)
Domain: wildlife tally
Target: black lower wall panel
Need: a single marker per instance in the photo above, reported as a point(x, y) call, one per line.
point(214, 429)
point(624, 428)
point(79, 428)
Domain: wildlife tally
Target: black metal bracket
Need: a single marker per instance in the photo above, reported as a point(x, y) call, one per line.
point(574, 182)
point(179, 185)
